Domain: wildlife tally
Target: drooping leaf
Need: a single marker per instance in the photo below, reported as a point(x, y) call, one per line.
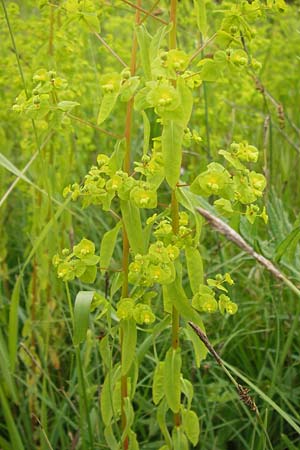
point(107, 104)
point(108, 245)
point(82, 308)
point(147, 130)
point(129, 344)
point(161, 420)
point(144, 40)
point(200, 9)
point(158, 383)
point(288, 244)
point(200, 350)
point(171, 142)
point(110, 438)
point(172, 370)
point(117, 157)
point(188, 390)
point(179, 439)
point(186, 100)
point(195, 267)
point(106, 400)
point(132, 220)
point(190, 425)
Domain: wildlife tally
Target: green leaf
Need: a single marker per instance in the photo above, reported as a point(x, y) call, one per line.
point(289, 243)
point(190, 425)
point(188, 391)
point(147, 130)
point(89, 275)
point(200, 350)
point(158, 383)
point(179, 439)
point(171, 142)
point(106, 405)
point(110, 438)
point(107, 104)
point(67, 105)
point(13, 324)
point(176, 295)
point(117, 156)
point(172, 371)
point(129, 413)
point(200, 9)
point(211, 71)
point(195, 268)
point(129, 344)
point(132, 220)
point(144, 40)
point(108, 245)
point(161, 420)
point(6, 377)
point(190, 201)
point(82, 307)
point(157, 40)
point(186, 100)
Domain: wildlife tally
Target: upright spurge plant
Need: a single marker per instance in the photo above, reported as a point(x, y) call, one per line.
point(159, 282)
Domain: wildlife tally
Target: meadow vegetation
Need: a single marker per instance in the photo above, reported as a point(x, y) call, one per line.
point(149, 214)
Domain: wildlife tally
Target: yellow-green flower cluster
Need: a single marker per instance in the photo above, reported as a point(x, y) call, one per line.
point(239, 186)
point(205, 300)
point(157, 266)
point(142, 313)
point(81, 263)
point(102, 184)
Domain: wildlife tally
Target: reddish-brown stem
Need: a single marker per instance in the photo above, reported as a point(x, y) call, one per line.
point(125, 259)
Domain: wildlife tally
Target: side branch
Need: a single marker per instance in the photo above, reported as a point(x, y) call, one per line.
point(237, 239)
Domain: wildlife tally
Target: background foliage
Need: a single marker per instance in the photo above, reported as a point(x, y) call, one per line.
point(39, 395)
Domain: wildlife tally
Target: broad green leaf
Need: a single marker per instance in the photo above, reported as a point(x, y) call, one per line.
point(117, 157)
point(186, 100)
point(89, 275)
point(106, 405)
point(82, 308)
point(190, 425)
point(107, 104)
point(144, 40)
point(105, 351)
point(129, 413)
point(171, 142)
point(129, 344)
point(133, 443)
point(172, 371)
point(289, 243)
point(200, 9)
point(211, 71)
point(13, 324)
point(157, 40)
point(108, 245)
point(110, 438)
point(67, 105)
point(158, 383)
point(190, 201)
point(195, 268)
point(147, 130)
point(188, 390)
point(200, 350)
point(161, 420)
point(177, 297)
point(132, 221)
point(179, 439)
